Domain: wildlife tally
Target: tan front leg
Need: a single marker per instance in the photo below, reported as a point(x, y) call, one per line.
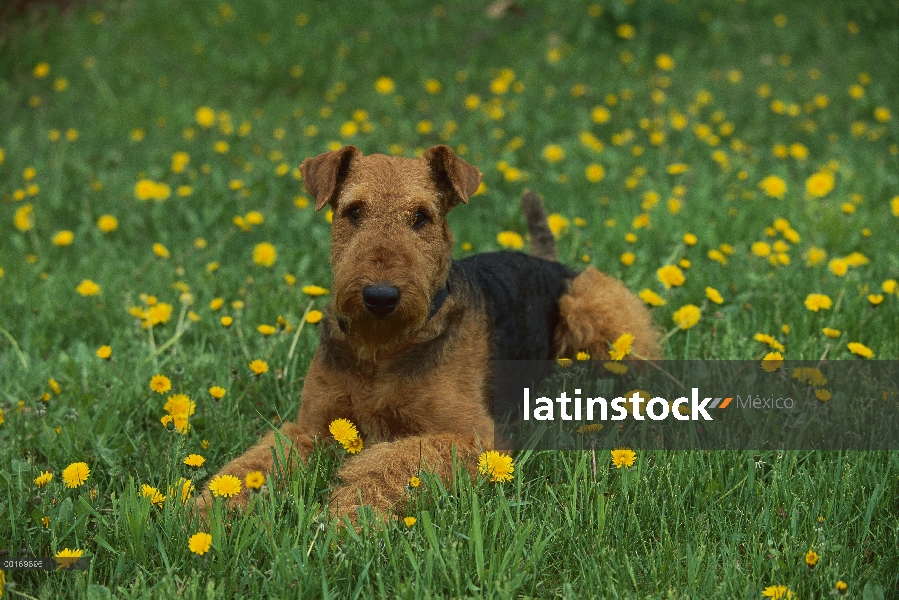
point(378, 476)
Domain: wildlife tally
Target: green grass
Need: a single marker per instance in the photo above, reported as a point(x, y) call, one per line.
point(676, 524)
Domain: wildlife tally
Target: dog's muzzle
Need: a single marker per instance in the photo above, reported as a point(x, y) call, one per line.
point(380, 300)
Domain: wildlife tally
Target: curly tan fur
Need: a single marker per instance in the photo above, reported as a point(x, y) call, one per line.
point(596, 311)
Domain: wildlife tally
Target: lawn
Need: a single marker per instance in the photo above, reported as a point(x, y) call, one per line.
point(737, 157)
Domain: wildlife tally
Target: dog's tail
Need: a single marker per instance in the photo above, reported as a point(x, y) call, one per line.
point(543, 242)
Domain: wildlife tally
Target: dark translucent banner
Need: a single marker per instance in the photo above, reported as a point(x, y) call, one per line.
point(697, 405)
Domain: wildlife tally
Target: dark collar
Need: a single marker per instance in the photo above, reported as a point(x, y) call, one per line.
point(436, 305)
point(439, 299)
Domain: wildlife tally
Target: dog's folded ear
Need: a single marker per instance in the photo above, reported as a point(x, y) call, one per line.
point(323, 174)
point(455, 178)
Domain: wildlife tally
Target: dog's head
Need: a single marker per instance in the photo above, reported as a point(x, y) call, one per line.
point(391, 247)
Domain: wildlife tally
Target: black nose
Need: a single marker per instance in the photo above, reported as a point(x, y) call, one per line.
point(380, 300)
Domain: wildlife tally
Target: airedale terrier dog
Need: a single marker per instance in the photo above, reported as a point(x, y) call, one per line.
point(407, 345)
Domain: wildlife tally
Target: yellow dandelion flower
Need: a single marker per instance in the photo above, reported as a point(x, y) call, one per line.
point(595, 172)
point(623, 457)
point(717, 256)
point(778, 592)
point(823, 396)
point(23, 220)
point(713, 295)
point(860, 349)
point(194, 460)
point(265, 254)
point(841, 587)
point(254, 480)
point(200, 543)
point(63, 238)
point(651, 298)
point(856, 259)
point(155, 496)
point(687, 316)
point(773, 186)
point(582, 356)
point(414, 482)
point(107, 223)
point(314, 317)
point(557, 224)
point(88, 288)
point(259, 367)
point(227, 321)
point(761, 249)
point(217, 392)
point(266, 329)
point(76, 474)
point(875, 299)
point(664, 62)
point(553, 153)
point(767, 339)
point(815, 256)
point(410, 521)
point(104, 352)
point(343, 431)
point(690, 239)
point(384, 85)
point(157, 314)
point(225, 486)
point(820, 184)
point(160, 384)
point(626, 31)
point(205, 117)
point(497, 465)
point(621, 347)
point(831, 333)
point(816, 302)
point(315, 290)
point(145, 189)
point(670, 275)
point(160, 250)
point(600, 114)
point(43, 479)
point(615, 367)
point(66, 553)
point(180, 161)
point(772, 361)
point(510, 239)
point(354, 446)
point(181, 408)
point(628, 258)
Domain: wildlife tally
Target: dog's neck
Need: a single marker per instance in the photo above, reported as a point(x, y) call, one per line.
point(436, 304)
point(366, 358)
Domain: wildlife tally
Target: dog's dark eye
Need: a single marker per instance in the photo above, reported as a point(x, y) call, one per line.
point(420, 219)
point(354, 214)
